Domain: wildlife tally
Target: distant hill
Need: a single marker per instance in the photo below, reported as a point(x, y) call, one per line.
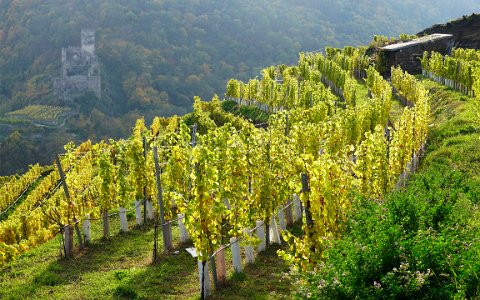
point(156, 55)
point(466, 31)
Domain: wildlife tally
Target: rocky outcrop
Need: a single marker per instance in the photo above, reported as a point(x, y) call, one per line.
point(466, 31)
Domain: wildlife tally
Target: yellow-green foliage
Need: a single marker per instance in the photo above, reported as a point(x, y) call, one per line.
point(39, 112)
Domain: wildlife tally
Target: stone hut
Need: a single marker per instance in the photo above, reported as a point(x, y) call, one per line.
point(407, 55)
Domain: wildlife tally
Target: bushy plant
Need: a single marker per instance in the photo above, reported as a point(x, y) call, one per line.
point(422, 243)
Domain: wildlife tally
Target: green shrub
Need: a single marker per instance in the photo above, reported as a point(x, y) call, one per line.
point(125, 292)
point(48, 279)
point(423, 243)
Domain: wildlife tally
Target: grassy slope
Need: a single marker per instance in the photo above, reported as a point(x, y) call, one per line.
point(250, 113)
point(122, 268)
point(455, 133)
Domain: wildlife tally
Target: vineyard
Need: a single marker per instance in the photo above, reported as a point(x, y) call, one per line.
point(231, 187)
point(461, 71)
point(44, 114)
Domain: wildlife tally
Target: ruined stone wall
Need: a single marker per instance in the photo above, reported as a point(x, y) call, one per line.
point(88, 41)
point(80, 70)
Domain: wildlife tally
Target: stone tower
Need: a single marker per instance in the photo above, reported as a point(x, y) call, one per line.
point(80, 70)
point(88, 41)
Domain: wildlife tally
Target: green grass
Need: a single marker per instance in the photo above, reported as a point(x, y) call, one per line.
point(396, 110)
point(361, 91)
point(250, 113)
point(455, 131)
point(122, 268)
point(265, 279)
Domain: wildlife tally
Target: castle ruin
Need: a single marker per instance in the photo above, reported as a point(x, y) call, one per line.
point(80, 71)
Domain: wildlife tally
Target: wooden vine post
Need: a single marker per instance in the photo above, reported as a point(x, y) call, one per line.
point(221, 267)
point(79, 234)
point(145, 186)
point(289, 215)
point(308, 213)
point(166, 229)
point(106, 224)
point(68, 228)
point(213, 267)
point(204, 279)
point(267, 222)
point(288, 209)
point(68, 231)
point(194, 132)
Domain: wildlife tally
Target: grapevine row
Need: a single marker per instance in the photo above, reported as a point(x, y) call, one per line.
point(30, 223)
point(459, 74)
point(466, 54)
point(15, 188)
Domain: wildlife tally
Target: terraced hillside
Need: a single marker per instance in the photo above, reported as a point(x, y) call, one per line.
point(360, 194)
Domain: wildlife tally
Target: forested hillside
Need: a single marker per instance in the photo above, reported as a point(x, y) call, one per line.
point(156, 55)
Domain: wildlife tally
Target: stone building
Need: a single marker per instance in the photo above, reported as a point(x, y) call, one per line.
point(407, 55)
point(80, 71)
